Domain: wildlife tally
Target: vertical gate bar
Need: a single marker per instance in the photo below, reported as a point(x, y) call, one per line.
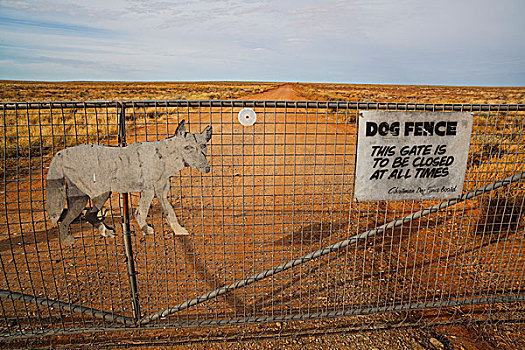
point(126, 232)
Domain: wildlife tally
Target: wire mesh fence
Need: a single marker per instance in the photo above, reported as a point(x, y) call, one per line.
point(274, 231)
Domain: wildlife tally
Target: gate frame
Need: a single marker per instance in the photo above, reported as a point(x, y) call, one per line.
point(137, 321)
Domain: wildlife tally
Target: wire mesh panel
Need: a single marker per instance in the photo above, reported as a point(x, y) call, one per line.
point(92, 273)
point(278, 194)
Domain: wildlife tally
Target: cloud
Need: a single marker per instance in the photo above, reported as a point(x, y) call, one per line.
point(8, 23)
point(404, 41)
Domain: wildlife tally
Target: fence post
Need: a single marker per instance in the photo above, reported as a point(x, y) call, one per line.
point(126, 232)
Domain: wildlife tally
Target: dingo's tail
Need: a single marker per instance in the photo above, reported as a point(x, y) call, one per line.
point(55, 189)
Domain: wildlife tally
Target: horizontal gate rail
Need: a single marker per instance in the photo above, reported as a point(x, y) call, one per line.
point(361, 311)
point(74, 308)
point(331, 248)
point(430, 107)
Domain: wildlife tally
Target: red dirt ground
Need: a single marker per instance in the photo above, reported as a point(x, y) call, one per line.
point(244, 217)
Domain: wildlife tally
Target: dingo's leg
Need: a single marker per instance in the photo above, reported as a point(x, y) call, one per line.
point(92, 217)
point(75, 206)
point(168, 211)
point(142, 211)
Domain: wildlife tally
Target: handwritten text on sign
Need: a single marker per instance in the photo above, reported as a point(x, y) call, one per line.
point(411, 155)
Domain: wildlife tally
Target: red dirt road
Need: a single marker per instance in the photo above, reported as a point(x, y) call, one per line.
point(284, 92)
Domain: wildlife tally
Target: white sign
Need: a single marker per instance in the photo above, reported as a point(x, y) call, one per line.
point(411, 155)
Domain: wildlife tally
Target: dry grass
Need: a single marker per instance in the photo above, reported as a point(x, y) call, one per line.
point(38, 132)
point(22, 91)
point(30, 134)
point(496, 151)
point(496, 148)
point(35, 133)
point(411, 93)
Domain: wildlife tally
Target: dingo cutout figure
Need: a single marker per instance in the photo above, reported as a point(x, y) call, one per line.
point(94, 171)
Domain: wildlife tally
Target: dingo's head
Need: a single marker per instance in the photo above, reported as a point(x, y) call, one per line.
point(193, 147)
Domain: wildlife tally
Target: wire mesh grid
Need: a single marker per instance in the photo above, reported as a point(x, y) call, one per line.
point(278, 191)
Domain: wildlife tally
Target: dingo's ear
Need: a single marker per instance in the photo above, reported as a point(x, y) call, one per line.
point(181, 129)
point(207, 133)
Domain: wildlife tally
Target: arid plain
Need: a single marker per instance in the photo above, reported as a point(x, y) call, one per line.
point(504, 336)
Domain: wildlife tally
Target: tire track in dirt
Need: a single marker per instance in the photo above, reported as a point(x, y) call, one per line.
point(285, 92)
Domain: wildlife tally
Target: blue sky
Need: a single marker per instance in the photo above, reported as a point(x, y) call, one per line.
point(445, 42)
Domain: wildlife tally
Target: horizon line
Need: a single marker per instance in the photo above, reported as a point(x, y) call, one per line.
point(260, 81)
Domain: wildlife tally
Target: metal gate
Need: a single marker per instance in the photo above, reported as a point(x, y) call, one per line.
point(274, 231)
